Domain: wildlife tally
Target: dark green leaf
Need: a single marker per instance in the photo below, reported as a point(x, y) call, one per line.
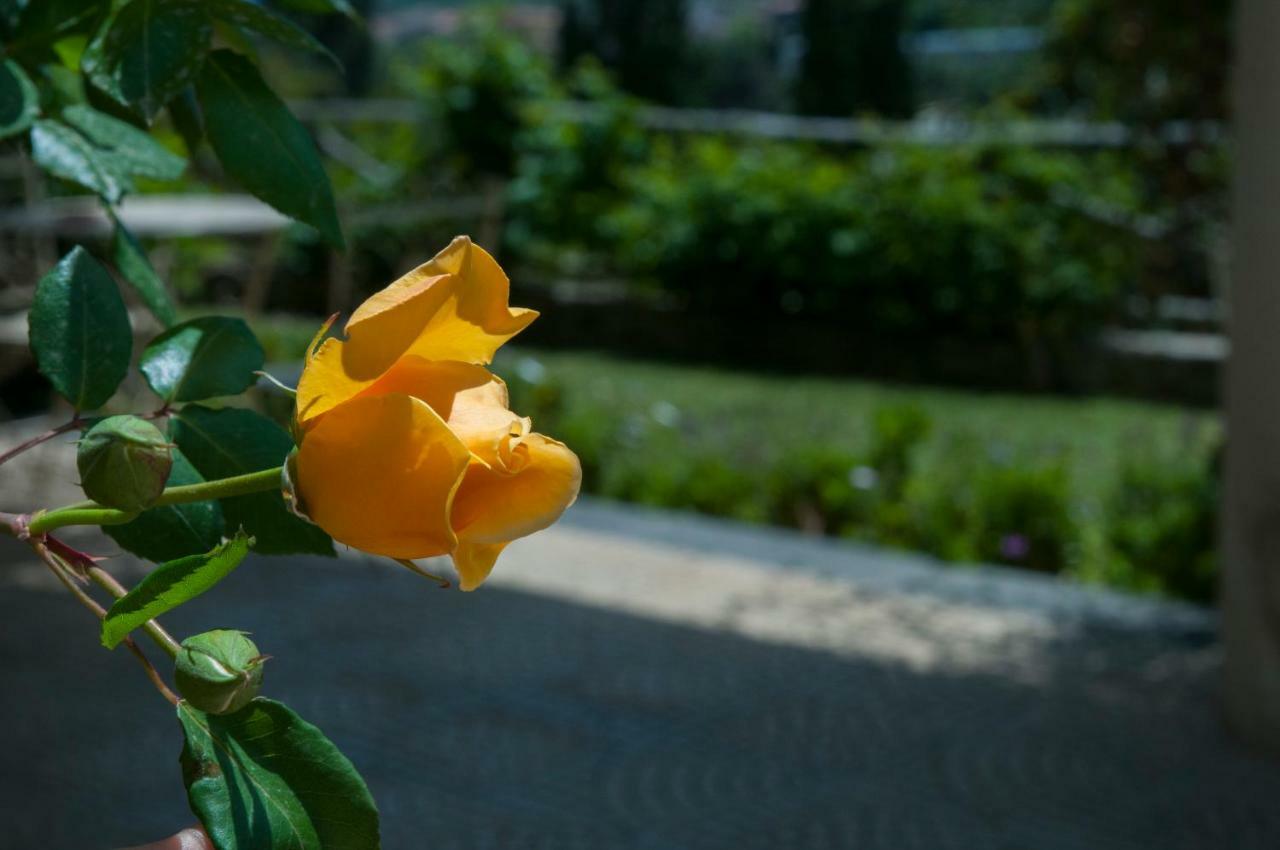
point(65, 153)
point(202, 358)
point(19, 101)
point(170, 585)
point(162, 534)
point(148, 52)
point(184, 111)
point(132, 263)
point(262, 145)
point(233, 441)
point(10, 11)
point(45, 21)
point(130, 150)
point(80, 331)
point(263, 778)
point(263, 21)
point(322, 7)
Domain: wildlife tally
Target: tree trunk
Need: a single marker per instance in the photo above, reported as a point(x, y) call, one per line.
point(1251, 519)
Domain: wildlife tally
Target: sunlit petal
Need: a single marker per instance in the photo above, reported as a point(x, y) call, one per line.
point(454, 307)
point(325, 384)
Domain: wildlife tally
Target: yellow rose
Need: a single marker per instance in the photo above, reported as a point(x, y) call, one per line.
point(407, 446)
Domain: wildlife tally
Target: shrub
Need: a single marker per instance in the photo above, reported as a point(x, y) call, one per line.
point(821, 490)
point(477, 85)
point(827, 490)
point(897, 431)
point(1023, 516)
point(972, 507)
point(913, 240)
point(707, 484)
point(570, 173)
point(1162, 527)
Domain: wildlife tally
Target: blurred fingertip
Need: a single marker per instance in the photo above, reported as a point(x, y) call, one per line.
point(192, 839)
point(189, 839)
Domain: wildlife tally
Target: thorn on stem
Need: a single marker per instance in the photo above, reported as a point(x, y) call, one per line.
point(76, 561)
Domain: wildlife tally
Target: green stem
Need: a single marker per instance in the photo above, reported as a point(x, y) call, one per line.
point(42, 523)
point(91, 513)
point(75, 423)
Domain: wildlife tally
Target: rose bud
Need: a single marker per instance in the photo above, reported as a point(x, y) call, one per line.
point(219, 671)
point(124, 462)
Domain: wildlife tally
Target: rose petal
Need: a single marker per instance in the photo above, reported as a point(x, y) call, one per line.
point(474, 562)
point(379, 473)
point(496, 507)
point(471, 400)
point(454, 307)
point(324, 384)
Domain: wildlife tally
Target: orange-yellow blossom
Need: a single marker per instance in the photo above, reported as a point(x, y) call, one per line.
point(408, 446)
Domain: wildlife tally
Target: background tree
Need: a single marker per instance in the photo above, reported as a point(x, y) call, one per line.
point(853, 59)
point(644, 43)
point(1148, 64)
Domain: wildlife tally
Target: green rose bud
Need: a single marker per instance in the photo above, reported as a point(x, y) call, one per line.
point(124, 462)
point(219, 671)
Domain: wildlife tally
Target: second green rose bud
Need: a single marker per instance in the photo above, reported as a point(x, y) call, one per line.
point(219, 671)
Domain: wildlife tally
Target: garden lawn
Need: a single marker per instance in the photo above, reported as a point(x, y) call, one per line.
point(752, 418)
point(989, 465)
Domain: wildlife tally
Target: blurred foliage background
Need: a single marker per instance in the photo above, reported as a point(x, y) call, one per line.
point(851, 266)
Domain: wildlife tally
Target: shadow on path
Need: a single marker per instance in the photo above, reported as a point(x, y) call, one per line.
point(511, 721)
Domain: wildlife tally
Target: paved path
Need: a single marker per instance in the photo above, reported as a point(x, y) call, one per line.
point(658, 682)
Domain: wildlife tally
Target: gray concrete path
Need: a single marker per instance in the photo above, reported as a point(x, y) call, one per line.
point(635, 679)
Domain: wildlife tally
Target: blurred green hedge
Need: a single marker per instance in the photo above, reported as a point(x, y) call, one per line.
point(915, 240)
point(1008, 241)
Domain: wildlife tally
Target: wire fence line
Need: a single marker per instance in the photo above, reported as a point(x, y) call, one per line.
point(929, 130)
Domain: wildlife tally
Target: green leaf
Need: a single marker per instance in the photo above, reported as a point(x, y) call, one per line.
point(148, 52)
point(64, 153)
point(130, 150)
point(45, 21)
point(80, 332)
point(262, 145)
point(10, 11)
point(323, 7)
point(202, 358)
point(59, 85)
point(263, 778)
point(263, 21)
point(19, 101)
point(170, 585)
point(132, 263)
point(184, 111)
point(234, 441)
point(162, 534)
point(69, 50)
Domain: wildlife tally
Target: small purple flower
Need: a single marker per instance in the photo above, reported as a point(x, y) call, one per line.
point(1015, 547)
